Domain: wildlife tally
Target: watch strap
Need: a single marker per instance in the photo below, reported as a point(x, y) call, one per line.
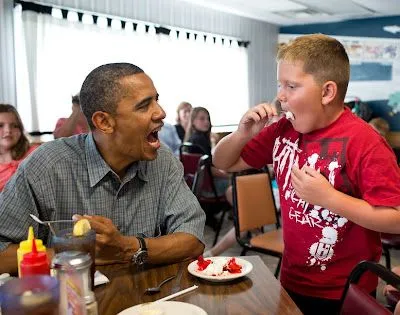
point(142, 243)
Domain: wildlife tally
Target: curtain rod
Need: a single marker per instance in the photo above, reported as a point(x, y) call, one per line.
point(47, 9)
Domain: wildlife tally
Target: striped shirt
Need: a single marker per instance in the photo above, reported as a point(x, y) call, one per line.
point(69, 176)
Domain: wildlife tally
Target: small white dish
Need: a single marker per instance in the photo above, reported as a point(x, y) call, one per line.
point(164, 308)
point(246, 268)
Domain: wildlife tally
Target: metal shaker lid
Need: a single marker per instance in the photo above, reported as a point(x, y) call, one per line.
point(74, 259)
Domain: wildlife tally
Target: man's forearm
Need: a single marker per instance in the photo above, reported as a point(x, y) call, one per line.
point(227, 152)
point(166, 249)
point(8, 258)
point(381, 219)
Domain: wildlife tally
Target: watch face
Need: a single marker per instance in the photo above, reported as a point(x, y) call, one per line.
point(140, 257)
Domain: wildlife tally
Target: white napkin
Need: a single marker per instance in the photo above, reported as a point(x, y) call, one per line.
point(99, 278)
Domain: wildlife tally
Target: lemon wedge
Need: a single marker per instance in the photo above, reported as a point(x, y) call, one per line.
point(81, 227)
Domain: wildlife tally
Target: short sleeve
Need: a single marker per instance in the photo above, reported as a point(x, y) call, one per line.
point(258, 151)
point(379, 176)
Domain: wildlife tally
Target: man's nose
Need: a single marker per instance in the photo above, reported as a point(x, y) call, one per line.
point(159, 114)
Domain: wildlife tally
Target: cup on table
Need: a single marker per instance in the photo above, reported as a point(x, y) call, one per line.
point(64, 240)
point(31, 295)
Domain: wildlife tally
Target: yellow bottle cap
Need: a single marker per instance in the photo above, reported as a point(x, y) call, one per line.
point(26, 246)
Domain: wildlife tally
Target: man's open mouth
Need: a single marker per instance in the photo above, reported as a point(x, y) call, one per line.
point(152, 137)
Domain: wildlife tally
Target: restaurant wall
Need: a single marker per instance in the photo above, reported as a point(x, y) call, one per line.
point(262, 36)
point(375, 62)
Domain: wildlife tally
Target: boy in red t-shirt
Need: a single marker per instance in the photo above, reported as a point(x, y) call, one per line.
point(338, 178)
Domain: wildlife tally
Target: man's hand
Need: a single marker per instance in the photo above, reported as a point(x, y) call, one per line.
point(311, 186)
point(254, 120)
point(111, 245)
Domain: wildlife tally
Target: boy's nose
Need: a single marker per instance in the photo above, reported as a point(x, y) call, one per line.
point(280, 96)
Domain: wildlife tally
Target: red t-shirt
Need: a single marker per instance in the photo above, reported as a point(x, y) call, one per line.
point(8, 169)
point(321, 248)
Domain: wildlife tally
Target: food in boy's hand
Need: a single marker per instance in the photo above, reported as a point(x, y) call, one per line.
point(218, 266)
point(81, 227)
point(289, 115)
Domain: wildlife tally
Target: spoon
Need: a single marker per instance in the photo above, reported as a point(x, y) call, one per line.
point(288, 114)
point(158, 288)
point(48, 223)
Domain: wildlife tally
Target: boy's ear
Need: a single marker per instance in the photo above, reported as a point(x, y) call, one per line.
point(329, 92)
point(103, 121)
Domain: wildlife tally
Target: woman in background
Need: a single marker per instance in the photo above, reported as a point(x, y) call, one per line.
point(182, 119)
point(14, 145)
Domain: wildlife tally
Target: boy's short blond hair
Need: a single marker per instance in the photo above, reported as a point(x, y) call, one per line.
point(322, 56)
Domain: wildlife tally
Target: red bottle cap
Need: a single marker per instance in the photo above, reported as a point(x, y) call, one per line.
point(35, 263)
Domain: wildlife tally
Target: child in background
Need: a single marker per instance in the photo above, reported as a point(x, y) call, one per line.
point(73, 125)
point(199, 133)
point(14, 145)
point(338, 179)
point(380, 125)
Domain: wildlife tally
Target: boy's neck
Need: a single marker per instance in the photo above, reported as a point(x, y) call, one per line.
point(331, 114)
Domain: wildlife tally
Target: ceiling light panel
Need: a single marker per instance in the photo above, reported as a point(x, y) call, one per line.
point(390, 7)
point(335, 6)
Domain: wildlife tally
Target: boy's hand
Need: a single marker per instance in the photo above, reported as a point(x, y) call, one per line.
point(254, 120)
point(311, 186)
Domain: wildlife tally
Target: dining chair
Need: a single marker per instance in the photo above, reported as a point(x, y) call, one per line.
point(356, 300)
point(254, 208)
point(189, 160)
point(389, 241)
point(198, 175)
point(212, 202)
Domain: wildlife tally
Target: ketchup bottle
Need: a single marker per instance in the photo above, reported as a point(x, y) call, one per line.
point(35, 263)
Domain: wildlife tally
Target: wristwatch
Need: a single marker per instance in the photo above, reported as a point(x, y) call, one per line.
point(140, 257)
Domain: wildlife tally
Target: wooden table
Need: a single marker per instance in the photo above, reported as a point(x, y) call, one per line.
point(257, 293)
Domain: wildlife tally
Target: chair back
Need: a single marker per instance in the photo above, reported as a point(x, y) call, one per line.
point(357, 301)
point(254, 203)
point(189, 160)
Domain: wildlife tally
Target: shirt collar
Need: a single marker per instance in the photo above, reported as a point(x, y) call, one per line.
point(98, 168)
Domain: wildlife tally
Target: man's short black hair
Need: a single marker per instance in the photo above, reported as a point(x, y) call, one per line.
point(102, 89)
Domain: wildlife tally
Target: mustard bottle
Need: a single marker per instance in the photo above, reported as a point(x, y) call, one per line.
point(25, 247)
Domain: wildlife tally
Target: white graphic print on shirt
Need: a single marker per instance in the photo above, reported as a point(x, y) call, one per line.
point(287, 153)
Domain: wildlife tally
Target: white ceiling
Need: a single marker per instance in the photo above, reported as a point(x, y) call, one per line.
point(290, 12)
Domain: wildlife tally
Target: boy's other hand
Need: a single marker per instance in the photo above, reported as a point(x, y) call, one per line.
point(310, 185)
point(254, 120)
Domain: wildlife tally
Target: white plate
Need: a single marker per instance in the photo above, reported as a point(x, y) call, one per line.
point(164, 308)
point(246, 268)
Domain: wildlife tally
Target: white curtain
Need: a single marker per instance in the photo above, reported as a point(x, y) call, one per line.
point(55, 55)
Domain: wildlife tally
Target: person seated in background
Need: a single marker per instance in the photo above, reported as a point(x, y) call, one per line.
point(14, 145)
point(119, 176)
point(198, 133)
point(380, 125)
point(182, 119)
point(169, 136)
point(74, 124)
point(387, 288)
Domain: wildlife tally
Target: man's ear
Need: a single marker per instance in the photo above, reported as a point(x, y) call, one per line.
point(103, 122)
point(329, 92)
